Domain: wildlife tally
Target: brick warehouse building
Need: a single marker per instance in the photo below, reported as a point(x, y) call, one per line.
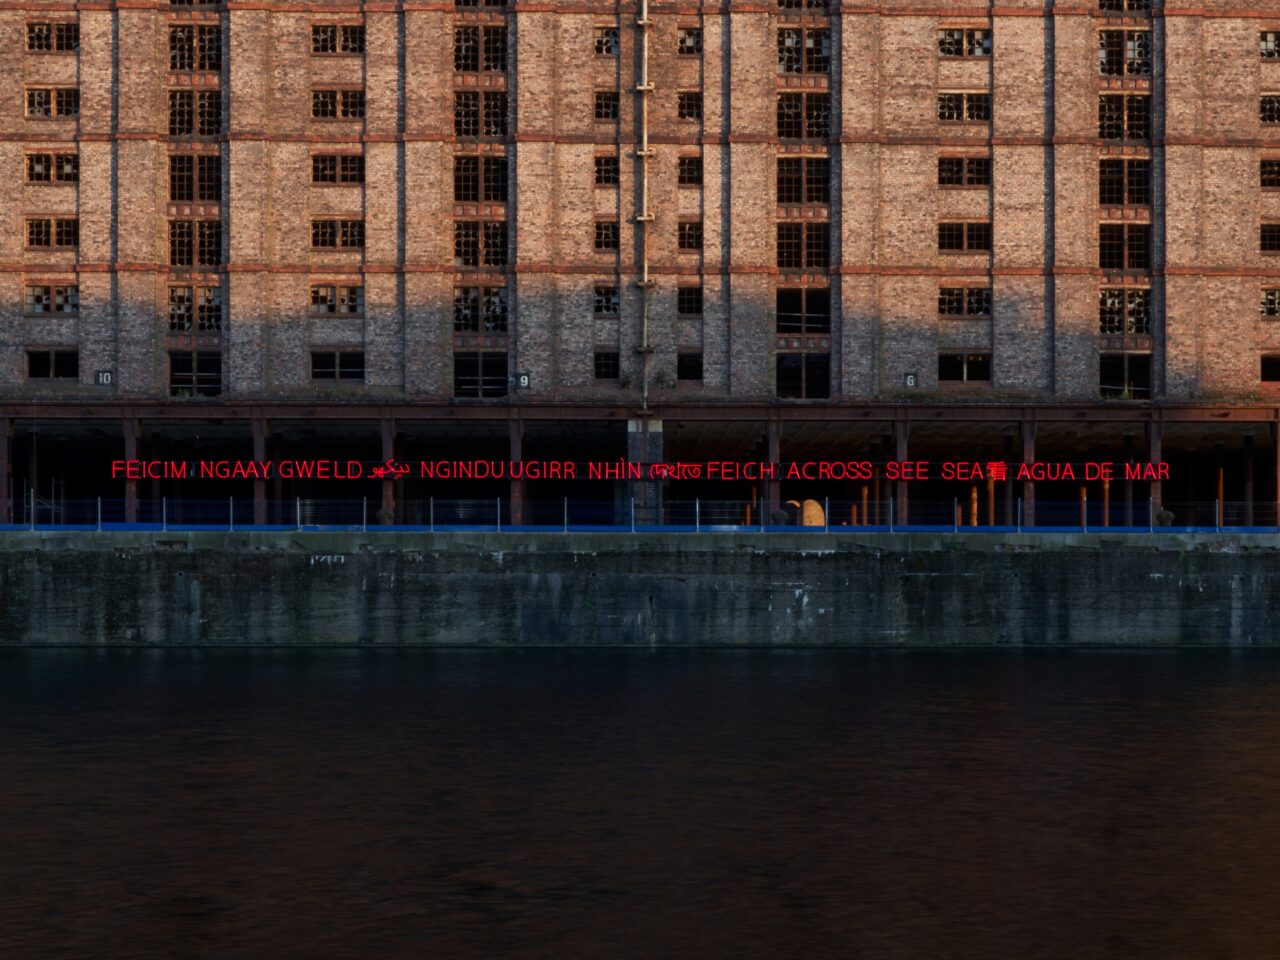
point(1026, 230)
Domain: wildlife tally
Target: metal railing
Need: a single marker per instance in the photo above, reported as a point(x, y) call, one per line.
point(619, 515)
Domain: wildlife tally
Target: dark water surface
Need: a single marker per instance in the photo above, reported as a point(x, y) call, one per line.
point(612, 804)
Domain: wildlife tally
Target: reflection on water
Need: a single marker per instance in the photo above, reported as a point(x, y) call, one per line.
point(548, 804)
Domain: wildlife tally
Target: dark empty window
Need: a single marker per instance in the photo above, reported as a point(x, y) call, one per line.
point(195, 308)
point(1124, 310)
point(804, 50)
point(39, 167)
point(195, 373)
point(479, 49)
point(1270, 237)
point(466, 113)
point(606, 39)
point(337, 168)
point(1124, 376)
point(607, 365)
point(1269, 171)
point(208, 107)
point(964, 301)
point(480, 243)
point(195, 48)
point(195, 243)
point(338, 234)
point(337, 365)
point(480, 309)
point(689, 235)
point(1124, 181)
point(964, 107)
point(479, 114)
point(480, 374)
point(1270, 109)
point(466, 49)
point(324, 39)
point(480, 178)
point(1270, 368)
point(803, 376)
point(333, 38)
point(803, 245)
point(66, 167)
point(1270, 303)
point(606, 171)
point(964, 171)
point(333, 299)
point(1124, 117)
point(337, 104)
point(52, 299)
point(53, 102)
point(1124, 246)
point(689, 366)
point(606, 105)
point(689, 41)
point(605, 302)
point(193, 113)
point(803, 310)
point(1124, 53)
point(196, 178)
point(53, 365)
point(804, 180)
point(964, 43)
point(964, 367)
point(40, 37)
point(689, 301)
point(53, 233)
point(804, 116)
point(606, 237)
point(59, 167)
point(39, 103)
point(689, 105)
point(690, 172)
point(493, 114)
point(53, 37)
point(964, 236)
point(466, 243)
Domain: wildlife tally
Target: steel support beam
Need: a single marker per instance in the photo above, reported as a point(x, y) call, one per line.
point(515, 435)
point(1009, 510)
point(1128, 484)
point(1248, 481)
point(1275, 470)
point(773, 488)
point(131, 432)
point(6, 470)
point(1027, 434)
point(260, 429)
point(901, 435)
point(1155, 444)
point(387, 428)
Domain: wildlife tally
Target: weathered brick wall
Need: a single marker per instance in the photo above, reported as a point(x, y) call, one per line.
point(1043, 270)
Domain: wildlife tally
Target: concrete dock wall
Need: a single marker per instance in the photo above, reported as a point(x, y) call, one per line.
point(592, 589)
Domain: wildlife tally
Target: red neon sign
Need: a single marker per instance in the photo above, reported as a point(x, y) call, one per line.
point(751, 471)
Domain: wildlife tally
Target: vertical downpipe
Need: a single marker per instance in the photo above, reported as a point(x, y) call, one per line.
point(643, 217)
point(1050, 192)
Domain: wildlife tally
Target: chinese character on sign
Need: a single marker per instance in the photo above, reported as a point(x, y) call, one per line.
point(997, 470)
